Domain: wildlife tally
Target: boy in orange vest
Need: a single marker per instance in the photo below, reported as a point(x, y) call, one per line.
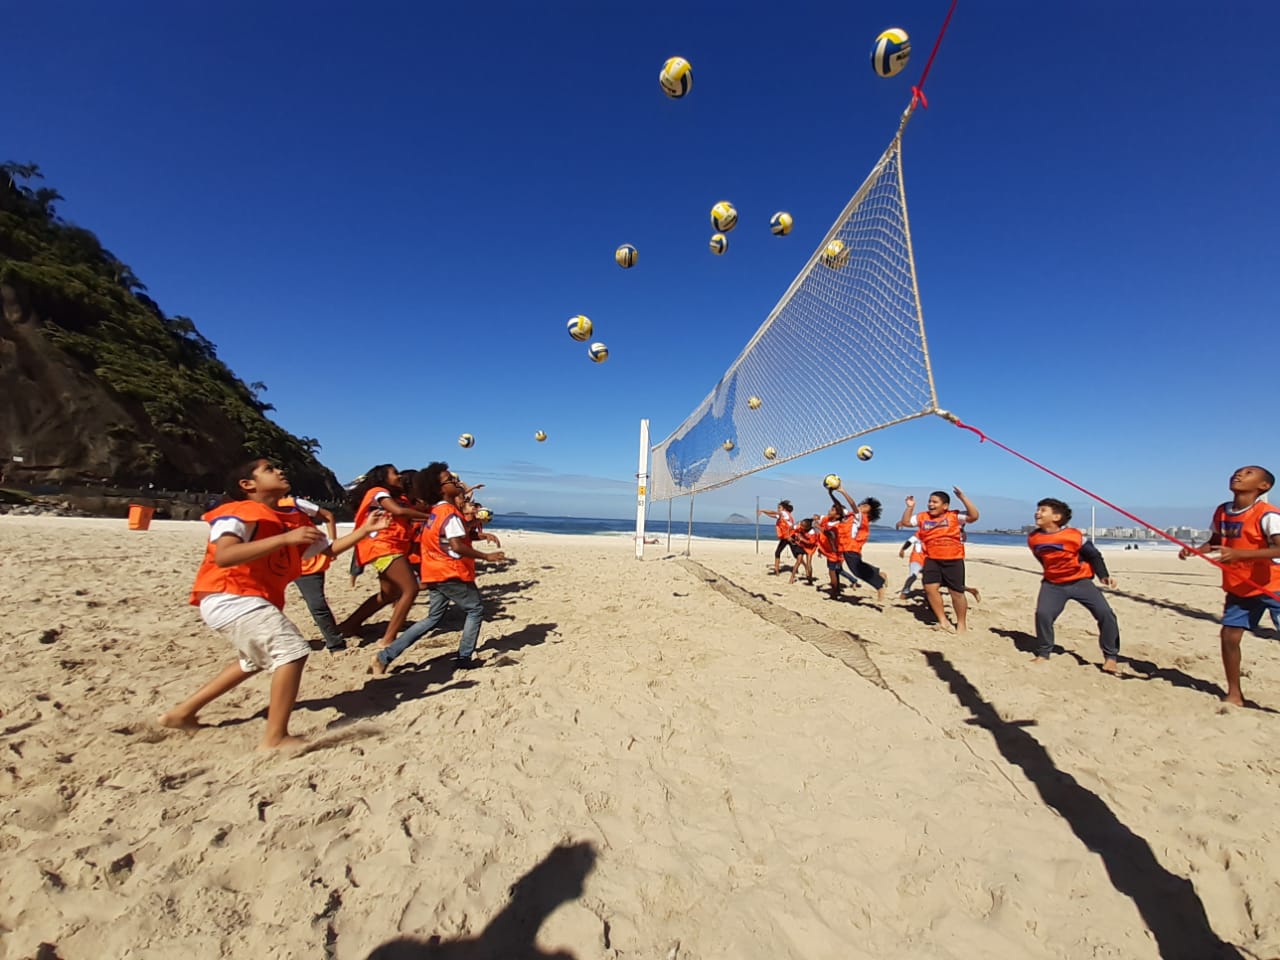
point(1070, 563)
point(1246, 536)
point(448, 571)
point(941, 531)
point(254, 551)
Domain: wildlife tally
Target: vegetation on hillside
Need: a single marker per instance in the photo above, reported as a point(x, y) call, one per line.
point(97, 311)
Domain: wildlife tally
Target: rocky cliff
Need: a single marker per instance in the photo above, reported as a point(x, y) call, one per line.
point(99, 384)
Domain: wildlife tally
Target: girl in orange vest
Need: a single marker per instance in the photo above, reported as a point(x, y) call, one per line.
point(863, 515)
point(311, 582)
point(387, 551)
point(806, 538)
point(784, 525)
point(254, 551)
point(1246, 536)
point(941, 531)
point(1070, 563)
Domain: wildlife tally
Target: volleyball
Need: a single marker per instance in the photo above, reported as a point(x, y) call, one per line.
point(626, 256)
point(891, 52)
point(835, 254)
point(676, 78)
point(780, 223)
point(724, 217)
point(598, 352)
point(579, 327)
point(753, 403)
point(728, 444)
point(770, 453)
point(719, 243)
point(484, 514)
point(865, 452)
point(831, 481)
point(540, 435)
point(466, 440)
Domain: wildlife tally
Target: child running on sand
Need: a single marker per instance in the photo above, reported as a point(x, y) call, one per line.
point(1246, 536)
point(448, 570)
point(254, 551)
point(784, 525)
point(1070, 563)
point(941, 531)
point(387, 551)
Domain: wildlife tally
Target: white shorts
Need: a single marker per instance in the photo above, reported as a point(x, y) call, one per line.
point(265, 639)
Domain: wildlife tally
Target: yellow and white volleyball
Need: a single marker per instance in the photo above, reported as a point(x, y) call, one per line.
point(780, 223)
point(831, 481)
point(540, 435)
point(770, 453)
point(835, 254)
point(626, 256)
point(580, 327)
point(865, 452)
point(676, 78)
point(598, 352)
point(724, 217)
point(753, 403)
point(891, 52)
point(484, 514)
point(728, 444)
point(466, 440)
point(719, 243)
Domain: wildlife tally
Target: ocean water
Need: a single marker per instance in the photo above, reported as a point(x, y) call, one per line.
point(747, 531)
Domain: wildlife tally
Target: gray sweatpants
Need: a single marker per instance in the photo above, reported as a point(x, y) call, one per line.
point(1053, 598)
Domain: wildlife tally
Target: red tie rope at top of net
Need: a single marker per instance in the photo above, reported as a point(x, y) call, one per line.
point(983, 438)
point(917, 92)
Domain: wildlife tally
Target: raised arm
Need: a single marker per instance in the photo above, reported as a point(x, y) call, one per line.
point(969, 508)
point(908, 512)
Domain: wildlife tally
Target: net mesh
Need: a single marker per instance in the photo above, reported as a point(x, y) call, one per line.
point(853, 318)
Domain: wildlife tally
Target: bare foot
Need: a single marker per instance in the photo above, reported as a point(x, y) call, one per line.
point(179, 721)
point(287, 742)
point(962, 628)
point(977, 597)
point(1109, 666)
point(1039, 661)
point(880, 594)
point(943, 628)
point(1236, 698)
point(377, 667)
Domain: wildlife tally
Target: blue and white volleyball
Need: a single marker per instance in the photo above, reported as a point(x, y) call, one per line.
point(580, 327)
point(466, 440)
point(540, 435)
point(891, 52)
point(626, 256)
point(719, 243)
point(780, 223)
point(770, 453)
point(598, 352)
point(865, 453)
point(835, 254)
point(728, 445)
point(676, 78)
point(724, 217)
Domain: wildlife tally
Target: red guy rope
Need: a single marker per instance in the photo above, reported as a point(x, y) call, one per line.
point(983, 438)
point(917, 92)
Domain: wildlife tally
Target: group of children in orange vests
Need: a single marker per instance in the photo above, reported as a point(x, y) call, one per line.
point(1244, 542)
point(261, 539)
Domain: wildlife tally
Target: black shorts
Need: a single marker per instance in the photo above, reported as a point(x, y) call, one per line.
point(949, 573)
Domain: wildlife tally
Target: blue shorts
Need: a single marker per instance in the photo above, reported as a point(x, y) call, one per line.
point(1246, 612)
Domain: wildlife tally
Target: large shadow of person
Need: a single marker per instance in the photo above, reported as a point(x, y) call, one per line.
point(510, 935)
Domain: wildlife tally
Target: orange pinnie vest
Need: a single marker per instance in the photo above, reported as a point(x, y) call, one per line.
point(827, 533)
point(863, 534)
point(940, 536)
point(265, 577)
point(1059, 554)
point(846, 539)
point(1243, 531)
point(437, 565)
point(917, 553)
point(392, 541)
point(783, 525)
point(321, 561)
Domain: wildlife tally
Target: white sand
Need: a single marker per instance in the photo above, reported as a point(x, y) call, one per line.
point(718, 786)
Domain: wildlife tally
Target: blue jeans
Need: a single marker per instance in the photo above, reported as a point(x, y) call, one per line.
point(463, 593)
point(311, 586)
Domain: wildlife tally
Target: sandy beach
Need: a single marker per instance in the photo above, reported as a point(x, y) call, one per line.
point(678, 759)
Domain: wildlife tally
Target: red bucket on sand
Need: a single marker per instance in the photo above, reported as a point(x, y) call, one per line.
point(140, 516)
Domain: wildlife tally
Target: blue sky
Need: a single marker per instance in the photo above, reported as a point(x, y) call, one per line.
point(388, 213)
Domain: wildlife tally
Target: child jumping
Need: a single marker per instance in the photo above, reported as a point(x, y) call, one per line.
point(854, 532)
point(1070, 563)
point(941, 531)
point(254, 551)
point(1246, 536)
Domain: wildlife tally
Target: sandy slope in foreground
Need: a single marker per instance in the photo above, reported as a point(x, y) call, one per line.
point(658, 760)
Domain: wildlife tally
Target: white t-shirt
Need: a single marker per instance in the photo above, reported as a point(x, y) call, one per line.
point(453, 527)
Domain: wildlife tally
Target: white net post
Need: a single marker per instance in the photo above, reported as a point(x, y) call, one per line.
point(642, 487)
point(842, 353)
